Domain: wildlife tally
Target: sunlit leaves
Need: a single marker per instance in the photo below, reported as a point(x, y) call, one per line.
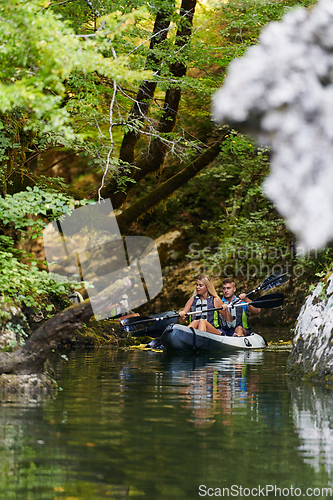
point(25, 215)
point(29, 211)
point(38, 53)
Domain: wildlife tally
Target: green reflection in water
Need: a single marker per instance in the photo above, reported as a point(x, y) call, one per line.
point(135, 424)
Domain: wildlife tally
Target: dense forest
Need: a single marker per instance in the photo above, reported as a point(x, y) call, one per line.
point(112, 99)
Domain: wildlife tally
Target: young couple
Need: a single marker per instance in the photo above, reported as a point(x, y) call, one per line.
point(231, 321)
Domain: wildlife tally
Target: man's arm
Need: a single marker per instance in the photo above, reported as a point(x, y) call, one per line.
point(251, 309)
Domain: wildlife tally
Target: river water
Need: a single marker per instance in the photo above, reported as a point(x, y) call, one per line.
point(135, 424)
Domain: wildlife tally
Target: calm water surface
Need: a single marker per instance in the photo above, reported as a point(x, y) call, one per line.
point(138, 424)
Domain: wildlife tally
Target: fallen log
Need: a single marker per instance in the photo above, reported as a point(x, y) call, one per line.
point(30, 358)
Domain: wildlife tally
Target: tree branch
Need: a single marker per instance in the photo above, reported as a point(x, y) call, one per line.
point(147, 88)
point(162, 192)
point(158, 148)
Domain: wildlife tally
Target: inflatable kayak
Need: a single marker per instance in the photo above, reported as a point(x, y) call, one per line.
point(183, 338)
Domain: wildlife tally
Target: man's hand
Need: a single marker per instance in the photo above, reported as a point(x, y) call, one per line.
point(243, 297)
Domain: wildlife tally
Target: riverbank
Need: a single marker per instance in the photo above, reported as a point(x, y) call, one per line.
point(103, 333)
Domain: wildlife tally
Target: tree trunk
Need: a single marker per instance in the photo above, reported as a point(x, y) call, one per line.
point(155, 156)
point(146, 90)
point(144, 204)
point(141, 104)
point(31, 357)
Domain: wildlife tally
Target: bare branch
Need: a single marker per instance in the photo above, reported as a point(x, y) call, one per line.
point(56, 3)
point(95, 12)
point(151, 37)
point(163, 191)
point(110, 134)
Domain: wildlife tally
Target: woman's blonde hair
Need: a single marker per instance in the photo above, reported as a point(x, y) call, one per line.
point(206, 281)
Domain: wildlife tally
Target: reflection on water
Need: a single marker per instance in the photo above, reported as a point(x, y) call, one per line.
point(313, 416)
point(213, 386)
point(138, 424)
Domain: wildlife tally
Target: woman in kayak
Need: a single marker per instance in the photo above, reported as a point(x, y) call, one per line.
point(205, 298)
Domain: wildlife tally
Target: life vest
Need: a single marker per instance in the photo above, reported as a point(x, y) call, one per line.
point(201, 306)
point(75, 297)
point(239, 317)
point(123, 309)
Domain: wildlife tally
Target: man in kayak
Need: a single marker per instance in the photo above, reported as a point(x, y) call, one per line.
point(238, 327)
point(121, 308)
point(204, 298)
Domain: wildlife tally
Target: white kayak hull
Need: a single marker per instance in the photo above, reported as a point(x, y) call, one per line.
point(183, 338)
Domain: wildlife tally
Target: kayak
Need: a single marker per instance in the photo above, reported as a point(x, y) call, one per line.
point(152, 325)
point(183, 338)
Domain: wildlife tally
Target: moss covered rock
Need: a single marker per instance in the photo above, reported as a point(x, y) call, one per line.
point(312, 353)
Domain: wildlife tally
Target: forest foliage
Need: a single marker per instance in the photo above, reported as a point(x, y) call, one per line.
point(125, 88)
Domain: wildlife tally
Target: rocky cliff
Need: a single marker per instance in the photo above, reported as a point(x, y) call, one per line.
point(312, 354)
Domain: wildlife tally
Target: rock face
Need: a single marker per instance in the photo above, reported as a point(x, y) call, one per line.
point(312, 354)
point(281, 93)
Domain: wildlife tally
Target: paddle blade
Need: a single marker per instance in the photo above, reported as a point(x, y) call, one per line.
point(139, 328)
point(275, 279)
point(149, 325)
point(268, 301)
point(134, 320)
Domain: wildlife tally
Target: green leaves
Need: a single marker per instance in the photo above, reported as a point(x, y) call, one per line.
point(25, 283)
point(21, 277)
point(248, 223)
point(22, 209)
point(38, 53)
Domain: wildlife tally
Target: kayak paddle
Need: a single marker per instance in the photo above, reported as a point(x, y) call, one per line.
point(275, 279)
point(267, 301)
